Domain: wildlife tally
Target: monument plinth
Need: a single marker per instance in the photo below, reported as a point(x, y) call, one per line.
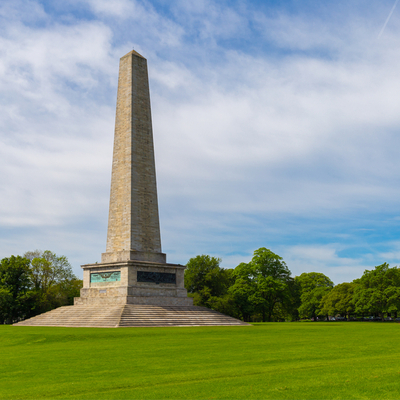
point(133, 270)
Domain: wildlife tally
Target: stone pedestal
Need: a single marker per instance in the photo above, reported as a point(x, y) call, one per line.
point(133, 282)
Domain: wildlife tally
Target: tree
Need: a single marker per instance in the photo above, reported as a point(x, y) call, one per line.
point(48, 268)
point(242, 292)
point(339, 300)
point(206, 280)
point(7, 308)
point(14, 284)
point(53, 281)
point(378, 291)
point(293, 302)
point(313, 287)
point(265, 282)
point(66, 290)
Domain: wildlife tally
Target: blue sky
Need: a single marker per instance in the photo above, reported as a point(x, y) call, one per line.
point(276, 125)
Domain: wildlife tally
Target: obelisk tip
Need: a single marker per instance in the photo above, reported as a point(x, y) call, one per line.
point(134, 52)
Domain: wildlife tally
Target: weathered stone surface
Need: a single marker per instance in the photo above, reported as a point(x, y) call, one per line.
point(131, 315)
point(133, 224)
point(128, 290)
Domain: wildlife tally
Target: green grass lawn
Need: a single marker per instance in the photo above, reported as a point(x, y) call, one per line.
point(266, 361)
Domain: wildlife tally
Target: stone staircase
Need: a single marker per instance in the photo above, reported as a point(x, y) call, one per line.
point(130, 315)
point(79, 316)
point(143, 315)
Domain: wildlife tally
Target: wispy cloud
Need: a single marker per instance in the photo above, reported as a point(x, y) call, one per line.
point(272, 129)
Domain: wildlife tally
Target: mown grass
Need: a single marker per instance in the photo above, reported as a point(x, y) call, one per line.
point(266, 361)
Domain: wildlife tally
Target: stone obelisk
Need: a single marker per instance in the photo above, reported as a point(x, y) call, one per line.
point(133, 270)
point(133, 224)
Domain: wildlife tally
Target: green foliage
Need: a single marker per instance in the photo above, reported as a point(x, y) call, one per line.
point(54, 283)
point(14, 274)
point(242, 292)
point(263, 290)
point(265, 361)
point(35, 283)
point(14, 284)
point(268, 264)
point(294, 301)
point(339, 300)
point(7, 305)
point(378, 291)
point(313, 287)
point(262, 286)
point(207, 282)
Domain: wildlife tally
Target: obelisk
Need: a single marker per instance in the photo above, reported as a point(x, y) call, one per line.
point(133, 270)
point(133, 285)
point(133, 223)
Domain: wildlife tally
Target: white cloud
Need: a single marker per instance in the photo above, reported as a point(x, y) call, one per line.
point(141, 18)
point(119, 8)
point(209, 20)
point(54, 143)
point(275, 126)
point(26, 11)
point(323, 259)
point(392, 253)
point(304, 129)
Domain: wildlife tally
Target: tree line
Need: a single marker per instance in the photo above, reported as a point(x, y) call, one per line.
point(261, 290)
point(35, 283)
point(264, 290)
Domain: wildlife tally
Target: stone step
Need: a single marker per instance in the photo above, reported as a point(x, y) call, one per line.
point(135, 315)
point(131, 315)
point(87, 316)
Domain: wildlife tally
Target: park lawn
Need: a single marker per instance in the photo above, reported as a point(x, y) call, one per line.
point(338, 360)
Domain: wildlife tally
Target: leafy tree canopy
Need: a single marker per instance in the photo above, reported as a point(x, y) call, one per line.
point(264, 263)
point(339, 300)
point(206, 279)
point(313, 287)
point(14, 284)
point(48, 269)
point(14, 275)
point(35, 283)
point(264, 281)
point(378, 291)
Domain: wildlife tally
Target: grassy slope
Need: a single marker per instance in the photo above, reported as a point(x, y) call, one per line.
point(275, 360)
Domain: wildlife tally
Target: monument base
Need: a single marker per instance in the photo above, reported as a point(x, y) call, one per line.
point(130, 315)
point(133, 282)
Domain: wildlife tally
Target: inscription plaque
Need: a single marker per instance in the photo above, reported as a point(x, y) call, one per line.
point(156, 277)
point(105, 276)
